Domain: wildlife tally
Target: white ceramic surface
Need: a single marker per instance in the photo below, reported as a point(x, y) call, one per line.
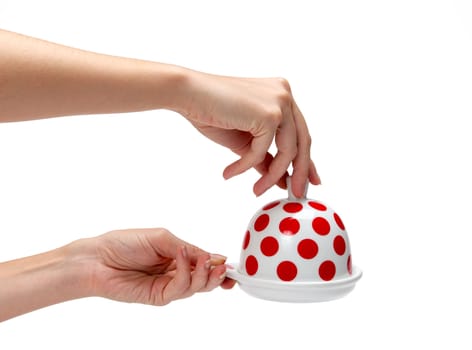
point(294, 292)
point(296, 249)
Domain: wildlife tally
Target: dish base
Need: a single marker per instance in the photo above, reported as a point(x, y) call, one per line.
point(296, 292)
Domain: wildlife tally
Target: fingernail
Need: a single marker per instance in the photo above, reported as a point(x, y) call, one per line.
point(222, 276)
point(184, 252)
point(217, 258)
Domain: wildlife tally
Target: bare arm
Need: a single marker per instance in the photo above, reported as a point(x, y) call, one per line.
point(40, 79)
point(41, 280)
point(149, 266)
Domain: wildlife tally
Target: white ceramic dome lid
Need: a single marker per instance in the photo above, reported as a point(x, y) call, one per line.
point(275, 285)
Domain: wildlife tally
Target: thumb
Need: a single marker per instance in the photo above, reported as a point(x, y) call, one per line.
point(194, 252)
point(167, 244)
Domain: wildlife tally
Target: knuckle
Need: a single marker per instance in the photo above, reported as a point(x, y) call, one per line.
point(284, 84)
point(258, 158)
point(162, 301)
point(163, 231)
point(161, 298)
point(307, 142)
point(275, 116)
point(282, 92)
point(284, 98)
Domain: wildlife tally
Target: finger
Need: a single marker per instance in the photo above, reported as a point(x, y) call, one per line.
point(286, 141)
point(200, 274)
point(216, 277)
point(313, 175)
point(217, 259)
point(180, 283)
point(172, 266)
point(254, 156)
point(167, 244)
point(302, 164)
point(263, 168)
point(228, 283)
point(194, 253)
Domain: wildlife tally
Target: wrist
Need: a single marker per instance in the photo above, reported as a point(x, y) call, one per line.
point(85, 260)
point(79, 263)
point(178, 92)
point(53, 277)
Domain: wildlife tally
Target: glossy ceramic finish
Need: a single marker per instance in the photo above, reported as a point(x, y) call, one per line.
point(296, 250)
point(299, 240)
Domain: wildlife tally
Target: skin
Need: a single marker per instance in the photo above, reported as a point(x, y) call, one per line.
point(149, 266)
point(245, 115)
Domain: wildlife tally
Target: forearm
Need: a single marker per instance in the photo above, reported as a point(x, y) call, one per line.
point(41, 280)
point(39, 79)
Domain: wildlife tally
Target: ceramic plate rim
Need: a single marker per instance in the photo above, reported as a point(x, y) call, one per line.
point(233, 273)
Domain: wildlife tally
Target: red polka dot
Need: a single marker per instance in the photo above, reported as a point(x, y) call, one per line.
point(327, 270)
point(286, 271)
point(339, 221)
point(251, 265)
point(307, 248)
point(247, 237)
point(289, 226)
point(293, 207)
point(349, 265)
point(261, 222)
point(339, 245)
point(321, 226)
point(269, 246)
point(271, 205)
point(317, 205)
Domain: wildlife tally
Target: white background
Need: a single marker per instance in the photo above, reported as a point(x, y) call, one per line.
point(386, 89)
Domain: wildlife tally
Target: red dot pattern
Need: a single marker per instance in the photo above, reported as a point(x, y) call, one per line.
point(289, 226)
point(307, 248)
point(251, 265)
point(327, 270)
point(339, 245)
point(339, 222)
point(261, 222)
point(269, 246)
point(317, 205)
point(321, 226)
point(287, 271)
point(247, 238)
point(262, 246)
point(293, 207)
point(271, 205)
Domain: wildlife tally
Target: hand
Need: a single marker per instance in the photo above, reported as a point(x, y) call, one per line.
point(246, 115)
point(149, 266)
point(152, 266)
